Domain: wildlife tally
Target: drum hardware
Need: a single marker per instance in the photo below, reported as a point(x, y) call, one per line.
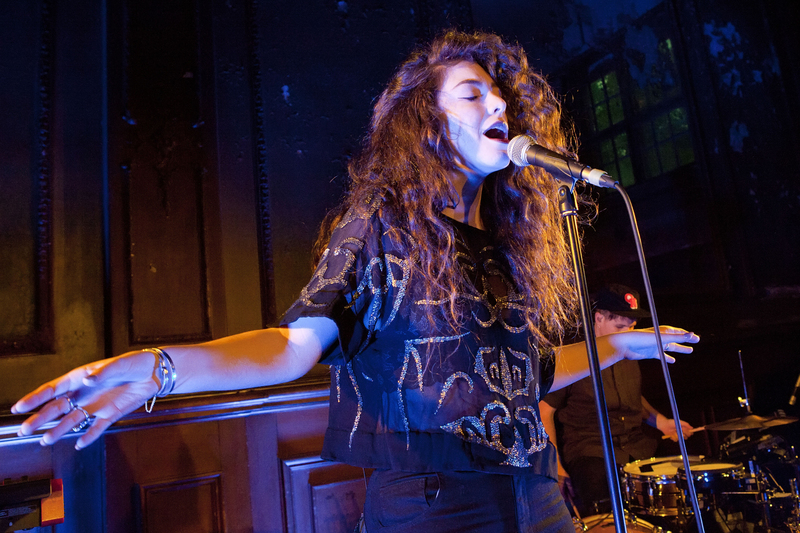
point(793, 520)
point(749, 421)
point(746, 422)
point(604, 523)
point(656, 490)
point(780, 512)
point(775, 483)
point(753, 493)
point(743, 491)
point(755, 445)
point(767, 509)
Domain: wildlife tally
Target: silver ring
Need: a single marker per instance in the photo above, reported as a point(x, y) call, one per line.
point(71, 404)
point(86, 421)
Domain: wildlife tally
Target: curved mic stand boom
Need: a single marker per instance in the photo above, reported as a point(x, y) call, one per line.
point(664, 365)
point(569, 212)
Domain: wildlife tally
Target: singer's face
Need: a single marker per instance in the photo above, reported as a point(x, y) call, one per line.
point(475, 118)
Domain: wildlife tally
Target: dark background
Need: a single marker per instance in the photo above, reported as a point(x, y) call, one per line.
point(165, 166)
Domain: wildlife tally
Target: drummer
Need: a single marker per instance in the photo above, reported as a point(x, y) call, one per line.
point(581, 467)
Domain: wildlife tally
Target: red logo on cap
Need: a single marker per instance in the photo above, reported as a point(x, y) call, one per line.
point(631, 299)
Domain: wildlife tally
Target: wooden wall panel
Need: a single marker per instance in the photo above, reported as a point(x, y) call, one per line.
point(25, 459)
point(299, 440)
point(153, 457)
point(163, 165)
point(245, 254)
point(51, 257)
point(27, 50)
point(236, 488)
point(322, 496)
point(188, 505)
point(265, 474)
point(166, 468)
point(237, 437)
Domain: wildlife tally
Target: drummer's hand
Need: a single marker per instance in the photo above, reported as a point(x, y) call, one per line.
point(641, 343)
point(667, 427)
point(107, 390)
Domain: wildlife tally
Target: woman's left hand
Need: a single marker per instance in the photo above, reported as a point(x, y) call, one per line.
point(641, 343)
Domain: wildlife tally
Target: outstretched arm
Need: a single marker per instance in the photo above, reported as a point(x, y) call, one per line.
point(111, 388)
point(572, 362)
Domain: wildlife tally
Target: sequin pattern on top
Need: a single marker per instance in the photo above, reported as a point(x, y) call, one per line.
point(409, 373)
point(505, 371)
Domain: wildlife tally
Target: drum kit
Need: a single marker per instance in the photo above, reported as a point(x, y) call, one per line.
point(751, 487)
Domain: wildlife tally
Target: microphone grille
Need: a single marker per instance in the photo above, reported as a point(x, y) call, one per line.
point(517, 148)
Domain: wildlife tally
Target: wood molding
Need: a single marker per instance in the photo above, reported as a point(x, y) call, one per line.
point(309, 392)
point(268, 311)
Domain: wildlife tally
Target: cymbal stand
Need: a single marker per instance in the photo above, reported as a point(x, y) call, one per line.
point(760, 490)
point(744, 402)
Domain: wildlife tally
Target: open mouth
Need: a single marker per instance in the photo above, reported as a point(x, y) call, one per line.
point(497, 133)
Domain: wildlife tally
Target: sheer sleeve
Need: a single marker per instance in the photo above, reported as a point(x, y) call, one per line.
point(349, 285)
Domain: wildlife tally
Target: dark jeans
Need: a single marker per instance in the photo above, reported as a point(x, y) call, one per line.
point(464, 501)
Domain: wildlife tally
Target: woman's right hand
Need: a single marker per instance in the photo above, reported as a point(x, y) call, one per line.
point(641, 343)
point(95, 395)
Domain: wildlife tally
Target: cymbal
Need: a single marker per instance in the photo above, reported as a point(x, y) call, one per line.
point(751, 422)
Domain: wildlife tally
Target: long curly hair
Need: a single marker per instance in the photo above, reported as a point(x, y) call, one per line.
point(407, 162)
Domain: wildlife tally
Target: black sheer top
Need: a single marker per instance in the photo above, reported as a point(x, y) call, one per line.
point(410, 392)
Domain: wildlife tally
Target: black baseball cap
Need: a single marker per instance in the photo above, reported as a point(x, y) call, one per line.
point(620, 300)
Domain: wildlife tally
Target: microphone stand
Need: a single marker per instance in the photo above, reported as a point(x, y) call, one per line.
point(523, 151)
point(569, 212)
point(566, 203)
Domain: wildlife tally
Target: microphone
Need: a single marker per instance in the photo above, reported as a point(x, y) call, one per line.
point(793, 397)
point(523, 152)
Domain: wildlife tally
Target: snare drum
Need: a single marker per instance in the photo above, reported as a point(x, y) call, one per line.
point(604, 523)
point(650, 485)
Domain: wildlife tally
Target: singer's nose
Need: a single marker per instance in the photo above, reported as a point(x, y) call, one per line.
point(495, 102)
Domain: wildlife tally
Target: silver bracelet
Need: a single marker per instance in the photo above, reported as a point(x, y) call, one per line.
point(166, 375)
